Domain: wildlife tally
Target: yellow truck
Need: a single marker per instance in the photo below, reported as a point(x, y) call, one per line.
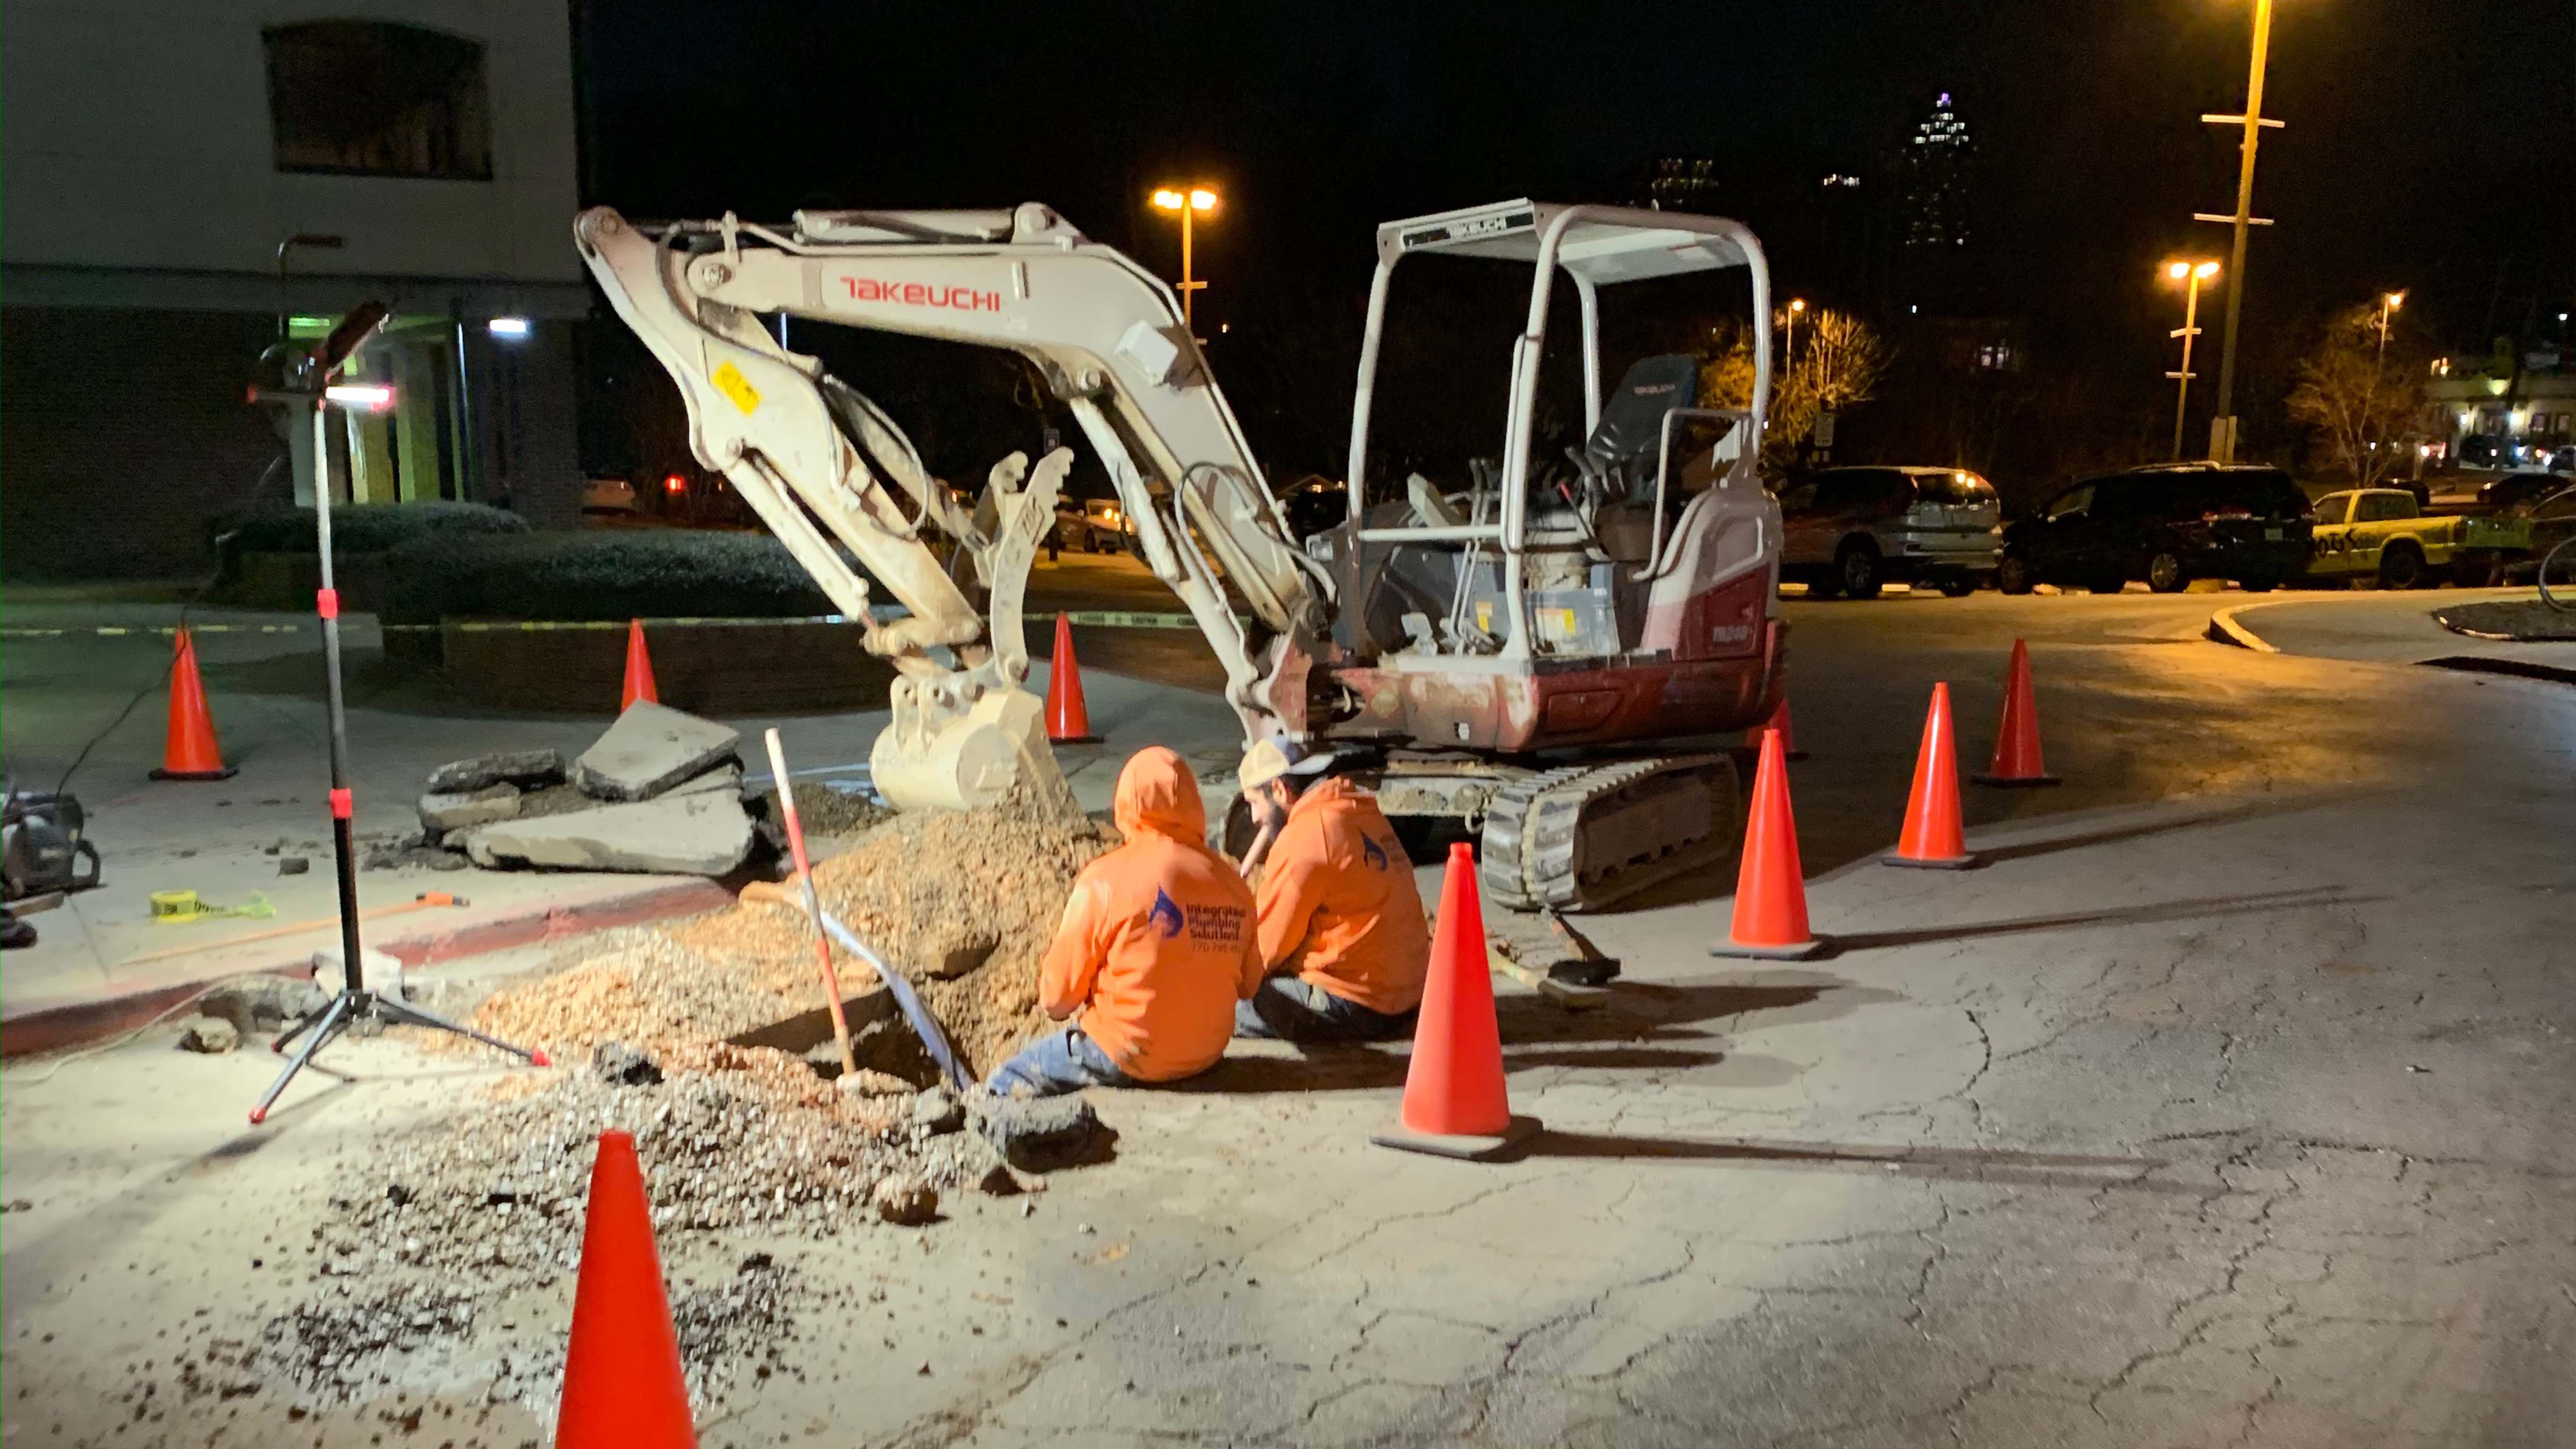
point(2380, 533)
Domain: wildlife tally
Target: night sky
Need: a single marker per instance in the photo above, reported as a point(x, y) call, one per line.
point(2429, 146)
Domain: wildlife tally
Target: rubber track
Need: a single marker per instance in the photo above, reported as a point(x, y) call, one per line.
point(1532, 827)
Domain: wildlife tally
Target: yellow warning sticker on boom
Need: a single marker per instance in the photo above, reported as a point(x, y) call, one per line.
point(730, 381)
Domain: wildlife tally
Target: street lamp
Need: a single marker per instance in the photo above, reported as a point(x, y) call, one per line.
point(2387, 304)
point(2222, 428)
point(2191, 275)
point(1188, 203)
point(1789, 333)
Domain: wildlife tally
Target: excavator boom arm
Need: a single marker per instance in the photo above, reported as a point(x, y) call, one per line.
point(1105, 334)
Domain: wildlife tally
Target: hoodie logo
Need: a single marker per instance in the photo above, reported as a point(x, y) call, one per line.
point(1166, 915)
point(1373, 853)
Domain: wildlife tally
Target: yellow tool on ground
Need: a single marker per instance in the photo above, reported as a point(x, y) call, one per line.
point(178, 908)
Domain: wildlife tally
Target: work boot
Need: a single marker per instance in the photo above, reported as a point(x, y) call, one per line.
point(14, 933)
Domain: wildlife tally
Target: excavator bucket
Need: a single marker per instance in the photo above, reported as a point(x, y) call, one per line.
point(996, 748)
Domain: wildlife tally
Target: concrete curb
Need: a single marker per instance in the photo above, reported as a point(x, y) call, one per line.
point(124, 1006)
point(2224, 629)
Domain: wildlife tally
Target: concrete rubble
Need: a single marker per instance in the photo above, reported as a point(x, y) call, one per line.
point(651, 748)
point(659, 793)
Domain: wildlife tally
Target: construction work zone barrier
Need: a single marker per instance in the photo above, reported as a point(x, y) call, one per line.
point(2017, 760)
point(1932, 838)
point(1770, 920)
point(1068, 717)
point(639, 670)
point(189, 751)
point(1455, 1104)
point(1778, 723)
point(1088, 618)
point(623, 1385)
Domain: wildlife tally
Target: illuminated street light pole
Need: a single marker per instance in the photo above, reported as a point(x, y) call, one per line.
point(1196, 199)
point(2387, 305)
point(2222, 428)
point(2191, 275)
point(1789, 334)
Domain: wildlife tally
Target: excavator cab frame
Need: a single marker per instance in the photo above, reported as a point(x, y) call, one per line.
point(1594, 247)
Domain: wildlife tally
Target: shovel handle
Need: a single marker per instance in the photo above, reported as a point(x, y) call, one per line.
point(813, 902)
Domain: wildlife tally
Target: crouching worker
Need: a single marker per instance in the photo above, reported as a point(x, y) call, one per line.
point(1155, 948)
point(1343, 943)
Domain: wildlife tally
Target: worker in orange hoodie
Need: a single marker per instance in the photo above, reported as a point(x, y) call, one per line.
point(1155, 948)
point(1343, 943)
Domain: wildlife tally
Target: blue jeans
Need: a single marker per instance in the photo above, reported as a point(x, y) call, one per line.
point(1057, 1063)
point(1288, 1009)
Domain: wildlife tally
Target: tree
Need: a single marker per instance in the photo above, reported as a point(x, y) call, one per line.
point(2358, 393)
point(1839, 363)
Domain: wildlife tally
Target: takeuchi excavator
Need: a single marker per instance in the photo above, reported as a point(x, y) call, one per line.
point(1542, 651)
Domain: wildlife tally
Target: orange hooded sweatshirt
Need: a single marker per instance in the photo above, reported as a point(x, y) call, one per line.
point(1338, 904)
point(1157, 940)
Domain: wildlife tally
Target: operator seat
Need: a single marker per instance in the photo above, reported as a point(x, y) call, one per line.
point(1623, 448)
point(1618, 462)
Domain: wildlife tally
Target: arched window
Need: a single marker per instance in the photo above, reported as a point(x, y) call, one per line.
point(374, 98)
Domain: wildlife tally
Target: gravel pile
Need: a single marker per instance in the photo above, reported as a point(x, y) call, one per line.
point(432, 1227)
point(344, 1345)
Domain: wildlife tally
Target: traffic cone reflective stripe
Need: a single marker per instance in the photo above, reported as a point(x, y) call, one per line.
point(639, 670)
point(2017, 760)
point(1068, 718)
point(188, 750)
point(1932, 836)
point(1455, 1103)
point(1779, 721)
point(623, 1384)
point(1770, 887)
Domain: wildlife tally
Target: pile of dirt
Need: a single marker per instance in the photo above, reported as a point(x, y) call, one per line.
point(431, 1227)
point(963, 902)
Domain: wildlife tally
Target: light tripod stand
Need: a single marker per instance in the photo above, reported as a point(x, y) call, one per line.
point(309, 380)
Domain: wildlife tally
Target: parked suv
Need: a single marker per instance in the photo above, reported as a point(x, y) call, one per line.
point(2168, 525)
point(1849, 530)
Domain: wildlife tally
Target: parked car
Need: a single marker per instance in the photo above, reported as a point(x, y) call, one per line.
point(2503, 495)
point(2167, 524)
point(1108, 529)
point(2552, 521)
point(2379, 531)
point(1850, 530)
point(1313, 504)
point(1072, 530)
point(606, 494)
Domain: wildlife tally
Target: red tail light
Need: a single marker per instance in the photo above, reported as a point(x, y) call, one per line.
point(2215, 514)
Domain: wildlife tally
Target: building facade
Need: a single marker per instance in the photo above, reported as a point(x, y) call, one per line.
point(1936, 173)
point(2508, 410)
point(189, 181)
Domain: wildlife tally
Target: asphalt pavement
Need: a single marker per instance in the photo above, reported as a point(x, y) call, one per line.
point(2226, 1103)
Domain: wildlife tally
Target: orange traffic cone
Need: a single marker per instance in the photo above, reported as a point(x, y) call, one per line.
point(622, 1381)
point(1770, 889)
point(1779, 721)
point(2017, 759)
point(1454, 1102)
point(189, 751)
point(1068, 719)
point(1931, 838)
point(639, 670)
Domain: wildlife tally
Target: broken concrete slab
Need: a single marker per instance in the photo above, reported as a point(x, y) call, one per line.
point(211, 1035)
point(700, 832)
point(465, 809)
point(651, 748)
point(263, 1003)
point(527, 768)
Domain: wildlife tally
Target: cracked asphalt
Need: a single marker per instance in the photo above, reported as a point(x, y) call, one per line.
point(2226, 1103)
